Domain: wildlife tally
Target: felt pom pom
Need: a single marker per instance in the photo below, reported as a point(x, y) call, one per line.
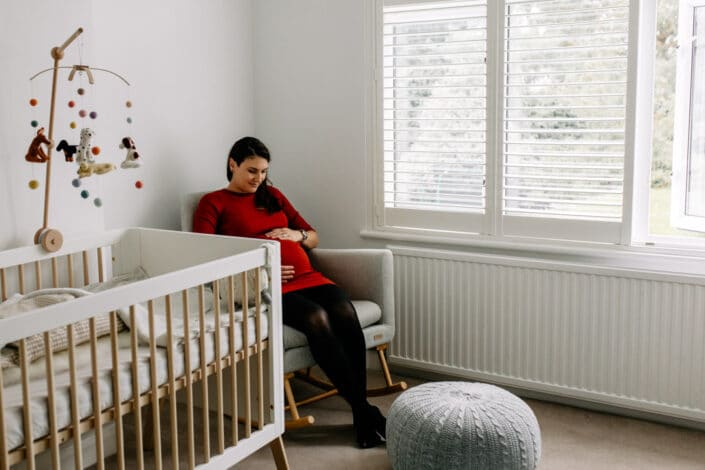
point(76, 182)
point(138, 184)
point(33, 102)
point(95, 150)
point(84, 194)
point(33, 184)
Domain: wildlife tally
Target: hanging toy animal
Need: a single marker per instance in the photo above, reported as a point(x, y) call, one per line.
point(35, 153)
point(86, 164)
point(132, 158)
point(69, 150)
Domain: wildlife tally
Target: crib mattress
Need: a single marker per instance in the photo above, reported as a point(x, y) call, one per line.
point(14, 429)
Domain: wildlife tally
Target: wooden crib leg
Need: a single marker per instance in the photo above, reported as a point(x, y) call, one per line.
point(279, 454)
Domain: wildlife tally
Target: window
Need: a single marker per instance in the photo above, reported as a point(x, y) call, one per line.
point(560, 155)
point(435, 106)
point(688, 202)
point(516, 119)
point(565, 76)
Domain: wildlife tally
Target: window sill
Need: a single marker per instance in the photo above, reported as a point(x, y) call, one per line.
point(678, 261)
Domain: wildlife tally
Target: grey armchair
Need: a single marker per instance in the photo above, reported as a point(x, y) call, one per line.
point(366, 275)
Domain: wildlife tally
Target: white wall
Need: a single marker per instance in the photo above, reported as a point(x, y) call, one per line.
point(190, 66)
point(309, 109)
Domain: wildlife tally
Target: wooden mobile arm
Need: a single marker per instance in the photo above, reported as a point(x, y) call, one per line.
point(51, 239)
point(57, 53)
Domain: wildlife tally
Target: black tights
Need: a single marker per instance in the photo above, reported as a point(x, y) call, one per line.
point(328, 319)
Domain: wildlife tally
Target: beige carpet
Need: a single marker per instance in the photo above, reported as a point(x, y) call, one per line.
point(571, 439)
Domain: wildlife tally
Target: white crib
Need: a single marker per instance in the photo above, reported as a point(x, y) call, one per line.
point(149, 305)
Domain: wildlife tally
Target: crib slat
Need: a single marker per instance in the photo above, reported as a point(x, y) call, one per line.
point(246, 357)
point(27, 413)
point(156, 421)
point(172, 387)
point(54, 273)
point(3, 284)
point(136, 389)
point(258, 336)
point(75, 417)
point(218, 369)
point(51, 403)
point(188, 382)
point(38, 275)
point(69, 267)
point(101, 272)
point(204, 371)
point(97, 418)
point(117, 414)
point(233, 356)
point(4, 458)
point(20, 276)
point(86, 277)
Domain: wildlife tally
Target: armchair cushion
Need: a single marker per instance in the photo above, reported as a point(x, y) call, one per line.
point(368, 313)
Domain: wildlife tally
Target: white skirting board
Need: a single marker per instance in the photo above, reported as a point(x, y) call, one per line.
point(623, 337)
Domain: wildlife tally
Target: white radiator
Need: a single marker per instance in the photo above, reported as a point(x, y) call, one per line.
point(622, 337)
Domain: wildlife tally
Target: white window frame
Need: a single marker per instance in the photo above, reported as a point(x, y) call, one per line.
point(682, 121)
point(498, 231)
point(492, 224)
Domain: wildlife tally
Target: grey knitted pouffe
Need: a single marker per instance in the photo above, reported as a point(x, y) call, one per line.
point(454, 425)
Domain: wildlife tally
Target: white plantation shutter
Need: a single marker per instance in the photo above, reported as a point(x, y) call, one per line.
point(524, 135)
point(564, 110)
point(434, 105)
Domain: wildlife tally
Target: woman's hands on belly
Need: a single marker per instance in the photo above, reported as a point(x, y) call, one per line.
point(288, 272)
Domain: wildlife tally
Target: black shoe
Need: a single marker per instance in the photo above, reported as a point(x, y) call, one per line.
point(368, 437)
point(365, 422)
point(378, 421)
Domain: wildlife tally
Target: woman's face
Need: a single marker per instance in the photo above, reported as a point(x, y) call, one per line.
point(248, 175)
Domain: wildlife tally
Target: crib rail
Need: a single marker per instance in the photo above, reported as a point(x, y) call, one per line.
point(230, 366)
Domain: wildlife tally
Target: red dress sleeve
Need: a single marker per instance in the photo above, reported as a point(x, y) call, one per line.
point(205, 218)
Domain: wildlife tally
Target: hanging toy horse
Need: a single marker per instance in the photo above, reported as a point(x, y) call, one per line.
point(35, 153)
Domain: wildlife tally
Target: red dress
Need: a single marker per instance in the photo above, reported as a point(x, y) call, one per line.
point(225, 212)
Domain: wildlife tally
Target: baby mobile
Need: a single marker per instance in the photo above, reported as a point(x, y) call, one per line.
point(81, 153)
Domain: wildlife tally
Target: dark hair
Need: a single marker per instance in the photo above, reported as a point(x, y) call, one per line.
point(249, 147)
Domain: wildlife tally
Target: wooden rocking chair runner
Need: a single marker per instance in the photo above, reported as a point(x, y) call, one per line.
point(367, 276)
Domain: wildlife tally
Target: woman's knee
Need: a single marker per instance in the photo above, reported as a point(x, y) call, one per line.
point(316, 321)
